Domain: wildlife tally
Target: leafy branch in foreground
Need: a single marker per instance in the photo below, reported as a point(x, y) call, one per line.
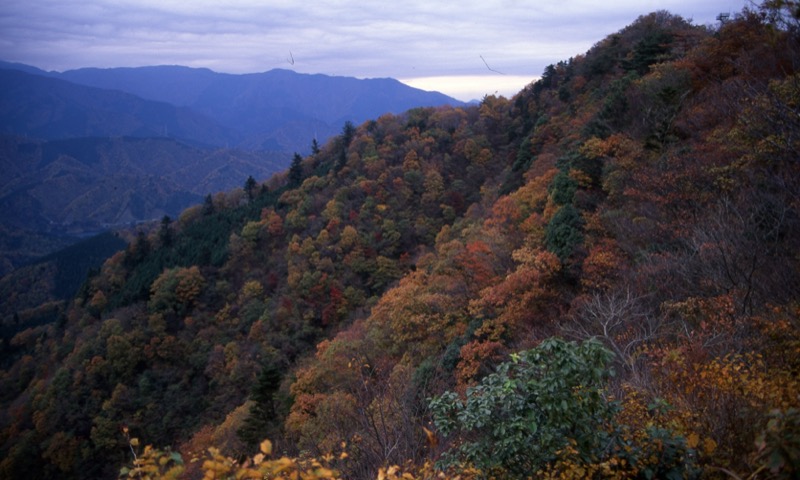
point(547, 411)
point(154, 464)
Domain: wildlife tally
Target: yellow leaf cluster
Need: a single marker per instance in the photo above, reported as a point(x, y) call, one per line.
point(155, 464)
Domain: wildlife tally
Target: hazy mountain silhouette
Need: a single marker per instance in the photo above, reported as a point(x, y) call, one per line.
point(50, 108)
point(274, 110)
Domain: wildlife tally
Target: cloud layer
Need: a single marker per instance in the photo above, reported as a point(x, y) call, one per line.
point(414, 39)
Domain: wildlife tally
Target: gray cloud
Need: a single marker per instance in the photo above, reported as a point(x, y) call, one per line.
point(415, 38)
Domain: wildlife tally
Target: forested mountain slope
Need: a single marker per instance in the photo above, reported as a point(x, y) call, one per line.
point(403, 293)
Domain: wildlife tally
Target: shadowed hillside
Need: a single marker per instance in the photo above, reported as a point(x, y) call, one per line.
point(60, 190)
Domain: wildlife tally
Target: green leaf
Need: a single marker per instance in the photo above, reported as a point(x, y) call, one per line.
point(776, 461)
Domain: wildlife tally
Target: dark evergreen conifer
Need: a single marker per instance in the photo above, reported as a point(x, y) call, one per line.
point(165, 233)
point(296, 171)
point(348, 133)
point(262, 414)
point(208, 205)
point(250, 187)
point(564, 232)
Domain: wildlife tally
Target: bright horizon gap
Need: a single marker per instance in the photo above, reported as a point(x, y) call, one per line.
point(472, 87)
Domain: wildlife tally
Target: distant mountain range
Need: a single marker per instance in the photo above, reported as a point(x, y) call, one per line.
point(91, 148)
point(52, 109)
point(276, 110)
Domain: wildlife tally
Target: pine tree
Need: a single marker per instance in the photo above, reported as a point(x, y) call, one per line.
point(261, 418)
point(165, 233)
point(250, 187)
point(296, 171)
point(564, 232)
point(208, 205)
point(348, 133)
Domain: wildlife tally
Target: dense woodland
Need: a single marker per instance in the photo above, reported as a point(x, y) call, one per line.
point(597, 278)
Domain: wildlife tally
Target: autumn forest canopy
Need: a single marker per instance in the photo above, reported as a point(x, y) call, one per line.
point(597, 278)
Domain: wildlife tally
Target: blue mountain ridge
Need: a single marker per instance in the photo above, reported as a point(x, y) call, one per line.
point(274, 110)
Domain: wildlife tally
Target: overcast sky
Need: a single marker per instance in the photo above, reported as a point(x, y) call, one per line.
point(464, 48)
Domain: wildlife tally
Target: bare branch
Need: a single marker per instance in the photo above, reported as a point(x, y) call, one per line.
point(620, 320)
